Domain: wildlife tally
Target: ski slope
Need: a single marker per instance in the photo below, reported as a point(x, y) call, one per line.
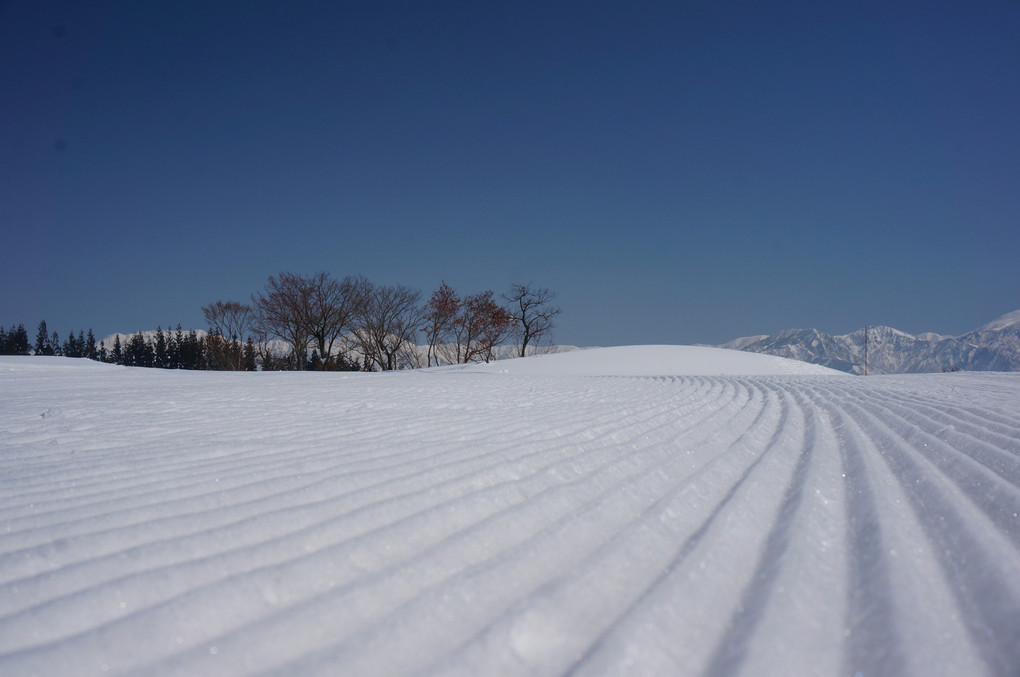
point(647, 510)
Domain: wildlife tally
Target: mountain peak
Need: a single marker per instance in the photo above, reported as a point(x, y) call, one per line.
point(1006, 321)
point(993, 347)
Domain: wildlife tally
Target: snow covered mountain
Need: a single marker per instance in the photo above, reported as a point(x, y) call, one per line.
point(993, 347)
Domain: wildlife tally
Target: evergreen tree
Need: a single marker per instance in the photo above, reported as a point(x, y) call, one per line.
point(148, 353)
point(117, 354)
point(161, 357)
point(138, 352)
point(101, 353)
point(69, 347)
point(90, 346)
point(42, 340)
point(191, 354)
point(173, 348)
point(268, 363)
point(206, 360)
point(214, 351)
point(129, 348)
point(249, 356)
point(236, 350)
point(55, 344)
point(18, 344)
point(74, 346)
point(344, 363)
point(3, 341)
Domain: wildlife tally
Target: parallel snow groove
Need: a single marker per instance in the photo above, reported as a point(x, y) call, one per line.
point(873, 640)
point(51, 621)
point(364, 648)
point(732, 647)
point(427, 479)
point(724, 547)
point(988, 479)
point(994, 625)
point(569, 610)
point(685, 547)
point(969, 563)
point(521, 525)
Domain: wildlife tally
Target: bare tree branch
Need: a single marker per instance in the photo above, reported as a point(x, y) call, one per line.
point(228, 322)
point(533, 312)
point(333, 306)
point(440, 317)
point(391, 319)
point(281, 311)
point(481, 325)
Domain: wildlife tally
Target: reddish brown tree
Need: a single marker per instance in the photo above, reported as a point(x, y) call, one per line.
point(441, 315)
point(481, 325)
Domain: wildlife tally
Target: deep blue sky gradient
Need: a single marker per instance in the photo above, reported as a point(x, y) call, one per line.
point(678, 172)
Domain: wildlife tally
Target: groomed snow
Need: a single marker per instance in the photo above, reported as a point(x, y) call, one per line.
point(651, 361)
point(588, 513)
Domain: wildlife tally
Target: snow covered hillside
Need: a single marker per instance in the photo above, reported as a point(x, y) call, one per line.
point(643, 510)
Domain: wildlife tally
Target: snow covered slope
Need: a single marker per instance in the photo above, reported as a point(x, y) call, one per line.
point(650, 361)
point(548, 520)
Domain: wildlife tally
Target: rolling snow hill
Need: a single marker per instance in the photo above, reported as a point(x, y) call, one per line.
point(993, 347)
point(640, 510)
point(648, 361)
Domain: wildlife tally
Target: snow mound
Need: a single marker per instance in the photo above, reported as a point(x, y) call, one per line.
point(653, 360)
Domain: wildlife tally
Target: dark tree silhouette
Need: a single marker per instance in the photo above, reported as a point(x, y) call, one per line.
point(282, 310)
point(388, 326)
point(480, 326)
point(332, 309)
point(533, 313)
point(440, 317)
point(42, 340)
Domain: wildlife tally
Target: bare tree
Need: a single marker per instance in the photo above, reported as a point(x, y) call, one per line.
point(389, 323)
point(282, 311)
point(441, 314)
point(533, 313)
point(480, 326)
point(228, 323)
point(332, 308)
point(230, 319)
point(260, 341)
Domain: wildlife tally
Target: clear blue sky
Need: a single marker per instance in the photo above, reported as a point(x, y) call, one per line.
point(678, 172)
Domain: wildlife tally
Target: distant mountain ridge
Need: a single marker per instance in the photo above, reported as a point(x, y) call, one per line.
point(992, 347)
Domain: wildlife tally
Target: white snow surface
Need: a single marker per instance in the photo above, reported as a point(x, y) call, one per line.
point(588, 515)
point(651, 361)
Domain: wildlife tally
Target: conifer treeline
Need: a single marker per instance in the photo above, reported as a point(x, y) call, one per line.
point(14, 341)
point(178, 349)
point(172, 349)
point(323, 323)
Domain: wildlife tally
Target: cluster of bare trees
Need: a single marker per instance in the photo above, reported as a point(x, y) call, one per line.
point(460, 330)
point(353, 323)
point(317, 310)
